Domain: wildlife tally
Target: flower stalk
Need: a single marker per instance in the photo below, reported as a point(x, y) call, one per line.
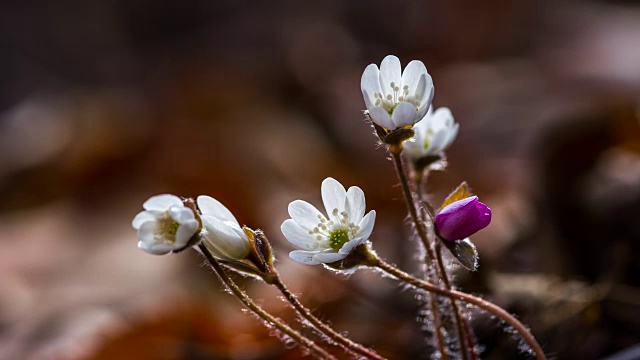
point(268, 318)
point(430, 253)
point(437, 323)
point(345, 342)
point(453, 294)
point(465, 331)
point(264, 268)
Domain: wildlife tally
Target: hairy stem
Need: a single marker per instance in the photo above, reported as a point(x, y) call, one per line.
point(323, 327)
point(481, 303)
point(433, 299)
point(408, 197)
point(268, 318)
point(464, 329)
point(437, 323)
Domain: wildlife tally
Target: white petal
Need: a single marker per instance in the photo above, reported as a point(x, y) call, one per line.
point(224, 238)
point(329, 257)
point(154, 249)
point(370, 83)
point(413, 147)
point(334, 196)
point(366, 225)
point(162, 202)
point(411, 75)
point(185, 231)
point(305, 214)
point(421, 128)
point(420, 92)
point(214, 251)
point(441, 119)
point(181, 214)
point(297, 235)
point(213, 207)
point(147, 232)
point(424, 89)
point(444, 116)
point(141, 218)
point(390, 71)
point(453, 133)
point(404, 114)
point(381, 117)
point(355, 204)
point(346, 248)
point(437, 142)
point(304, 257)
point(426, 99)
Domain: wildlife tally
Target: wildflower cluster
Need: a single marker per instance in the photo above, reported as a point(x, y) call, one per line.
point(399, 107)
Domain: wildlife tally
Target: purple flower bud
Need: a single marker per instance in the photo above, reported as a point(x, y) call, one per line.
point(462, 218)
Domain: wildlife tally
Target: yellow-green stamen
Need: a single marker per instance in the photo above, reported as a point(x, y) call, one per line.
point(173, 228)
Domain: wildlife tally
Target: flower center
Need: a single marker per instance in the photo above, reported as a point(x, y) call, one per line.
point(337, 238)
point(173, 229)
point(167, 229)
point(397, 95)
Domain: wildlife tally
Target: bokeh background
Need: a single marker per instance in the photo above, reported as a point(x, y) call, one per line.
point(104, 103)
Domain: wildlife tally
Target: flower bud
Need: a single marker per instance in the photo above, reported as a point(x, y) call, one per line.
point(462, 218)
point(221, 232)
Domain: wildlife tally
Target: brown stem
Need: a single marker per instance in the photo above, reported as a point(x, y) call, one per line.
point(464, 331)
point(437, 323)
point(268, 318)
point(408, 197)
point(419, 179)
point(481, 303)
point(324, 328)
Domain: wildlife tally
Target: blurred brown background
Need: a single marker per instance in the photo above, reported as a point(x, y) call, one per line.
point(105, 103)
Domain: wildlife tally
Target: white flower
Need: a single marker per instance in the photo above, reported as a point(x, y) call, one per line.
point(434, 134)
point(328, 239)
point(222, 233)
point(166, 225)
point(394, 98)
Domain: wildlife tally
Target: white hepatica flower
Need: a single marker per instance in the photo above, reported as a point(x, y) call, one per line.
point(166, 225)
point(393, 98)
point(222, 233)
point(434, 134)
point(328, 239)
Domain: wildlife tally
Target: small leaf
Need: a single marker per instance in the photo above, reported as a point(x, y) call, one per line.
point(465, 251)
point(461, 192)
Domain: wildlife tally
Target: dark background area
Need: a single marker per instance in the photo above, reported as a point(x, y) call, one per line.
point(105, 103)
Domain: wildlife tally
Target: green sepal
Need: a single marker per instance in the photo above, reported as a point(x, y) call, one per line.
point(426, 161)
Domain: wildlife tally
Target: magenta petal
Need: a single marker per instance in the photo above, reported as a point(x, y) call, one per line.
point(462, 219)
